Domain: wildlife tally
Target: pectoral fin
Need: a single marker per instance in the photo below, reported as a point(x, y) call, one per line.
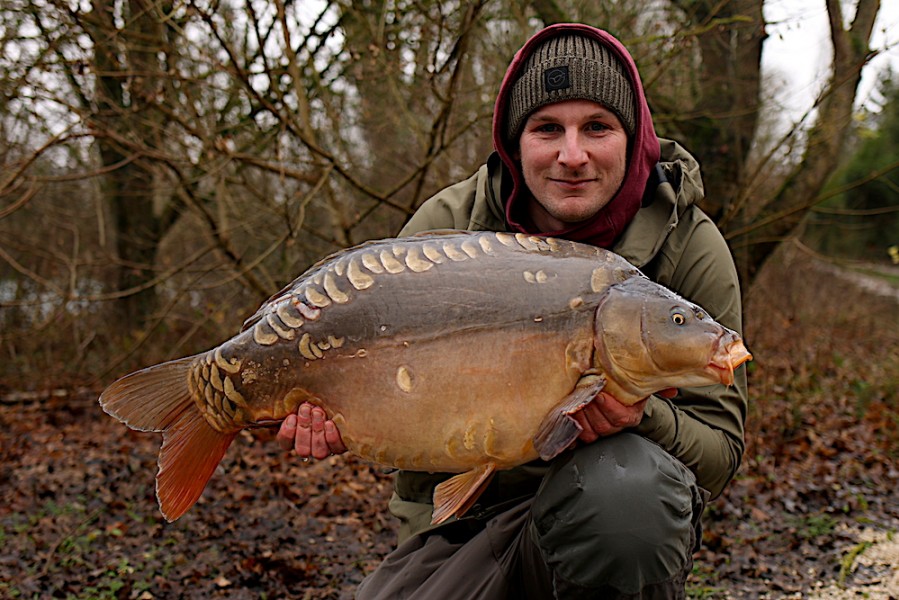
point(457, 494)
point(558, 429)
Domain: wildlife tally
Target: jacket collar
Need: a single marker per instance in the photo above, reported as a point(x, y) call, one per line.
point(678, 186)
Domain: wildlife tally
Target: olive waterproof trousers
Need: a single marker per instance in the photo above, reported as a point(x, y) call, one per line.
point(618, 518)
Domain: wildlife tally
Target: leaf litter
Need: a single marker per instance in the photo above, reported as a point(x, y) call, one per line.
point(813, 512)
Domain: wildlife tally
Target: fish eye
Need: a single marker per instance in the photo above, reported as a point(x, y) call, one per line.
point(678, 318)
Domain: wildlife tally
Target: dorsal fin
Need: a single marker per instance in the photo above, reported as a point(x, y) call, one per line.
point(443, 232)
point(335, 256)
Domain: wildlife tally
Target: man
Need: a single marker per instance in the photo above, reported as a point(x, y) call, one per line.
point(618, 517)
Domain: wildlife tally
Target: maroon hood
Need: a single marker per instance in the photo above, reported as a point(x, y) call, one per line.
point(603, 229)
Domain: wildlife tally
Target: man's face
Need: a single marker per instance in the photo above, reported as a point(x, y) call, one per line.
point(573, 156)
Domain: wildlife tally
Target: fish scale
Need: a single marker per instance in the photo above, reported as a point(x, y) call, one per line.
point(447, 352)
point(335, 283)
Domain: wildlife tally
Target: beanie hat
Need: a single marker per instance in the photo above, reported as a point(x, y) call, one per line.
point(599, 48)
point(570, 67)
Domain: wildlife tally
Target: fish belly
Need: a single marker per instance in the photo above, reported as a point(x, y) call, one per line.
point(448, 404)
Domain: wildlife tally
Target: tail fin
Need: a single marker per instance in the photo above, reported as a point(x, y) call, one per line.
point(150, 399)
point(191, 450)
point(159, 399)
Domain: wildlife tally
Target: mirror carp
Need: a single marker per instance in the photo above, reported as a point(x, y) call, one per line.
point(445, 352)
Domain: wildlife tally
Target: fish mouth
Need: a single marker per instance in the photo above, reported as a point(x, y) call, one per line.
point(727, 359)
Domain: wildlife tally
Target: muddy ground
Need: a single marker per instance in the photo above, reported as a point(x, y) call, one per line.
point(813, 512)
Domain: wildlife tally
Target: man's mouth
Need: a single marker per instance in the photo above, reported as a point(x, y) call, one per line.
point(572, 183)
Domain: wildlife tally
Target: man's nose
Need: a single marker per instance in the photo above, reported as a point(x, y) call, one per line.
point(572, 154)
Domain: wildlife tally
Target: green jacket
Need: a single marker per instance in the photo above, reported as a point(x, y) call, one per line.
point(674, 243)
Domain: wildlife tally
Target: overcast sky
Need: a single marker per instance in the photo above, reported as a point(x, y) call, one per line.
point(799, 49)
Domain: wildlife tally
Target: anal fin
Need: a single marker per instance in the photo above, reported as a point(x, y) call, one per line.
point(558, 429)
point(456, 495)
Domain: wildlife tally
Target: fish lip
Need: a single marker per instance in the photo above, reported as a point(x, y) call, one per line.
point(723, 373)
point(725, 361)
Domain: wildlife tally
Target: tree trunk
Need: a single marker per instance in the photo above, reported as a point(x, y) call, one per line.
point(781, 217)
point(722, 130)
point(129, 81)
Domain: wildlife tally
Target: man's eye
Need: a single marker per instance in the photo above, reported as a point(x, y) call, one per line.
point(548, 128)
point(596, 126)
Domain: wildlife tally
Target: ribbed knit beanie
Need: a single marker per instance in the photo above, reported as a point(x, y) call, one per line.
point(570, 67)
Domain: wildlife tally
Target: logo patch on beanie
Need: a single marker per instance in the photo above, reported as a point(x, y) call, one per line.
point(556, 78)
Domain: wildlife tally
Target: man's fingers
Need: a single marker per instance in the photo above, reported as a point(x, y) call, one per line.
point(320, 447)
point(318, 419)
point(304, 415)
point(287, 432)
point(617, 414)
point(303, 439)
point(310, 433)
point(332, 437)
point(592, 423)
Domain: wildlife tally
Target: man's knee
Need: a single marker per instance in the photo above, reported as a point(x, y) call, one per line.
point(617, 512)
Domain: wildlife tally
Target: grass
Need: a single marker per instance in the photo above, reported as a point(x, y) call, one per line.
point(849, 561)
point(890, 277)
point(702, 584)
point(824, 391)
point(810, 527)
point(71, 544)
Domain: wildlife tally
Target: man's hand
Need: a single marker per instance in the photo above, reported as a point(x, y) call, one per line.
point(310, 433)
point(605, 415)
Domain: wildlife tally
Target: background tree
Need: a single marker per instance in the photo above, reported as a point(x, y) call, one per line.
point(131, 45)
point(860, 219)
point(717, 117)
point(180, 161)
point(755, 227)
